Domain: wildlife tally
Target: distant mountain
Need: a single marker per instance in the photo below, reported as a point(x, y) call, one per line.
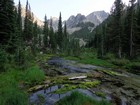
point(96, 18)
point(74, 20)
point(54, 23)
point(35, 18)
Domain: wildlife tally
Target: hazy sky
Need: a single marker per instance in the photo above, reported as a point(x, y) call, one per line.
point(67, 7)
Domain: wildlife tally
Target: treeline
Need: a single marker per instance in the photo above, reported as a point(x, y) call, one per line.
point(120, 32)
point(21, 40)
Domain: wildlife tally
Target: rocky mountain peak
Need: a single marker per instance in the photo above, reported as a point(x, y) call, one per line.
point(74, 20)
point(96, 18)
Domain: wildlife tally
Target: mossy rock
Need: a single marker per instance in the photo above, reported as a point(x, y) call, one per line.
point(90, 84)
point(100, 94)
point(110, 72)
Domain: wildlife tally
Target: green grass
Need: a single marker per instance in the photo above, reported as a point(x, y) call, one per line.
point(77, 98)
point(12, 85)
point(89, 56)
point(34, 76)
point(10, 93)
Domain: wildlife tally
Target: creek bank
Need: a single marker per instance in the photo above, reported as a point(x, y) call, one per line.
point(120, 87)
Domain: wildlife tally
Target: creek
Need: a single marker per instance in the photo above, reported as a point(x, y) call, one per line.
point(119, 87)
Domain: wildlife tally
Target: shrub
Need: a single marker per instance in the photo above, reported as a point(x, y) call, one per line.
point(34, 75)
point(109, 56)
point(120, 62)
point(135, 66)
point(3, 60)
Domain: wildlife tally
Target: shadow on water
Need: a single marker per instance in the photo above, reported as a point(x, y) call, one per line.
point(51, 98)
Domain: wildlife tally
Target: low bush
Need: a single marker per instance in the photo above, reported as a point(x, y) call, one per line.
point(3, 60)
point(109, 56)
point(34, 76)
point(120, 62)
point(135, 65)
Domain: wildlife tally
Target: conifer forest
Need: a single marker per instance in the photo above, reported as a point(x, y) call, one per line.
point(43, 65)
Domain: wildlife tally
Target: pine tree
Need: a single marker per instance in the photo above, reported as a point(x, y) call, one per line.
point(19, 21)
point(28, 24)
point(45, 32)
point(19, 39)
point(7, 25)
point(117, 13)
point(52, 38)
point(35, 38)
point(137, 35)
point(132, 13)
point(65, 38)
point(60, 33)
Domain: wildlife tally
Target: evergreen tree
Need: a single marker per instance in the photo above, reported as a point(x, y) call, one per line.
point(19, 40)
point(19, 21)
point(132, 13)
point(52, 38)
point(28, 24)
point(35, 38)
point(65, 38)
point(60, 33)
point(137, 35)
point(45, 32)
point(7, 25)
point(117, 28)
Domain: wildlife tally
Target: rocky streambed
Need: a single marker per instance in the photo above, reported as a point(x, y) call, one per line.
point(65, 76)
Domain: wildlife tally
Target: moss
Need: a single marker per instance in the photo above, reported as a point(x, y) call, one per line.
point(90, 84)
point(83, 85)
point(100, 94)
point(110, 72)
point(59, 80)
point(35, 88)
point(66, 88)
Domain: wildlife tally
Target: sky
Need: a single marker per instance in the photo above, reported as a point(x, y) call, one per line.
point(67, 7)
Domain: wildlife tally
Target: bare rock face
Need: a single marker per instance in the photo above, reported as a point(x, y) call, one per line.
point(96, 18)
point(74, 20)
point(35, 18)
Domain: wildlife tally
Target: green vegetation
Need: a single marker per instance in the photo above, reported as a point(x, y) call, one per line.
point(68, 86)
point(12, 81)
point(10, 93)
point(20, 47)
point(77, 98)
point(34, 76)
point(110, 72)
point(65, 89)
point(89, 56)
point(100, 94)
point(89, 84)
